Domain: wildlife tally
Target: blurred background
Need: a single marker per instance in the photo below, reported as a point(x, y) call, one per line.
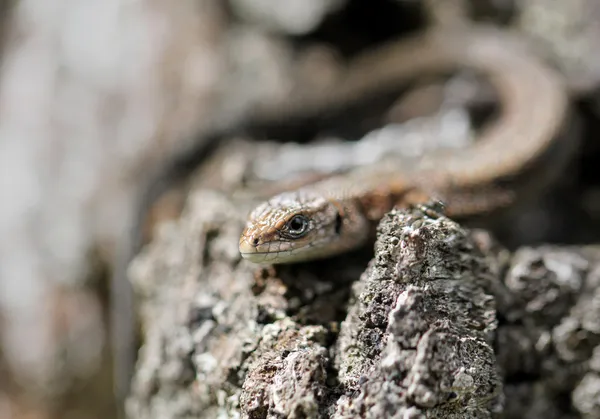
point(94, 93)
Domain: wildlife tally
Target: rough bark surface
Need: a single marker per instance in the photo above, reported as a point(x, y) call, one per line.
point(443, 323)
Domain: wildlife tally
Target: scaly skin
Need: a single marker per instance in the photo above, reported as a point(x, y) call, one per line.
point(338, 214)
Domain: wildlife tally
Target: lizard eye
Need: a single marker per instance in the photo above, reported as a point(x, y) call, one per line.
point(297, 226)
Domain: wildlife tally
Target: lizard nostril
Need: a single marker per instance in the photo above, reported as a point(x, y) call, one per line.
point(255, 241)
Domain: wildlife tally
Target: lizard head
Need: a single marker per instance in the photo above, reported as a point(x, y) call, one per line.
point(298, 226)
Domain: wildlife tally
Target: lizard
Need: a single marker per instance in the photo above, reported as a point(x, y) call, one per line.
point(337, 214)
point(520, 151)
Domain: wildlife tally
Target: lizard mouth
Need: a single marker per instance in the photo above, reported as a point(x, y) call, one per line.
point(262, 253)
point(271, 252)
point(265, 257)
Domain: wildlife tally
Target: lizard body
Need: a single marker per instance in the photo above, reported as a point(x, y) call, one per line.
point(337, 214)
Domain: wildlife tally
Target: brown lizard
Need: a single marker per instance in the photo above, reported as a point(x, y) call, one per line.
point(512, 155)
point(338, 214)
